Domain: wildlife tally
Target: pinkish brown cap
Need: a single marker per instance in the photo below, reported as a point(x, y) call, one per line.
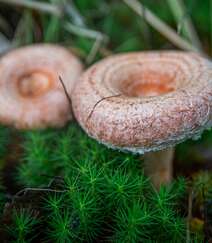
point(144, 102)
point(31, 95)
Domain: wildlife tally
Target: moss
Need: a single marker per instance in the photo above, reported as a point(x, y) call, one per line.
point(100, 190)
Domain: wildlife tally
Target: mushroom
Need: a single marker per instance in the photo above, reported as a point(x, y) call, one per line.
point(146, 103)
point(31, 95)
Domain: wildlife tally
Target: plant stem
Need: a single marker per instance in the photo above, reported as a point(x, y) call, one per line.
point(158, 165)
point(94, 50)
point(92, 34)
point(160, 26)
point(74, 13)
point(184, 21)
point(84, 32)
point(40, 6)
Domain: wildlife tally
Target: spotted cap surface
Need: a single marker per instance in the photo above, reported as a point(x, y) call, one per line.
point(145, 101)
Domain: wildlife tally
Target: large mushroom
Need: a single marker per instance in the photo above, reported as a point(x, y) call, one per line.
point(146, 103)
point(31, 95)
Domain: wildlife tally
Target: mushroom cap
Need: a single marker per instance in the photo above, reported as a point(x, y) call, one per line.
point(31, 95)
point(145, 101)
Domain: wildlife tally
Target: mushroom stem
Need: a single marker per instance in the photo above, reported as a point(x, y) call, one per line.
point(158, 165)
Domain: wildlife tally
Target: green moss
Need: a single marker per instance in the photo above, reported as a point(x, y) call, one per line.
point(23, 225)
point(100, 190)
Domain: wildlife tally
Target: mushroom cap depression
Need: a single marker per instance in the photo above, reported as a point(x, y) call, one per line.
point(144, 102)
point(31, 95)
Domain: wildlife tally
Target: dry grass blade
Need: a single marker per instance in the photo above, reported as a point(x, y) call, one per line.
point(84, 32)
point(94, 50)
point(91, 34)
point(73, 12)
point(36, 5)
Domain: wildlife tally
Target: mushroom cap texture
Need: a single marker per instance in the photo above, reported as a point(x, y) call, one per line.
point(145, 101)
point(31, 95)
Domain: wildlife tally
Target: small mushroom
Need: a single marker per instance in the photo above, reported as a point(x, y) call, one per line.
point(31, 95)
point(146, 103)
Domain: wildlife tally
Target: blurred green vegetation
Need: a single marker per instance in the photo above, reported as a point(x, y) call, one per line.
point(125, 30)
